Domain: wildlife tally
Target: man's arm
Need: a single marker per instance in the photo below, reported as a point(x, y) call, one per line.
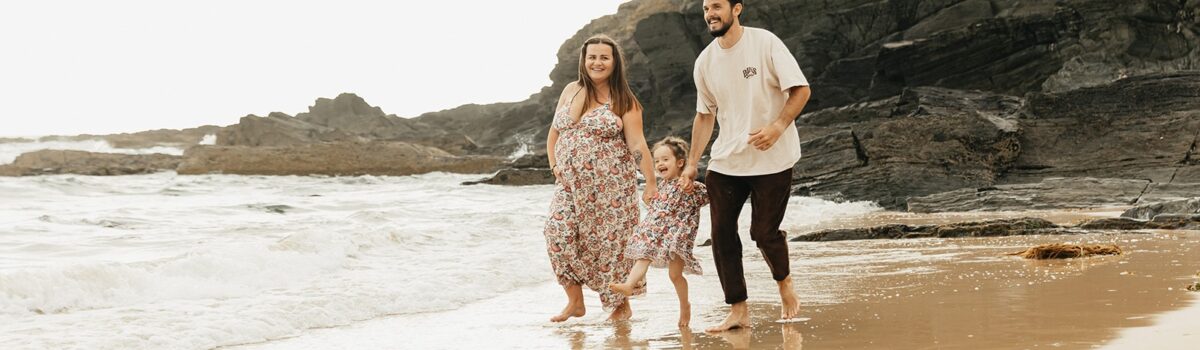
point(764, 138)
point(702, 129)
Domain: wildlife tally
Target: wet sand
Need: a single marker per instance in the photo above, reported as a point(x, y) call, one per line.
point(979, 302)
point(882, 294)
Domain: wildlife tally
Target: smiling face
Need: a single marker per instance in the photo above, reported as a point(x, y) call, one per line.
point(666, 165)
point(598, 62)
point(720, 15)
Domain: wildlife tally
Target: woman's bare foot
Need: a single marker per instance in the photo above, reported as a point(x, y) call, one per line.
point(624, 289)
point(685, 315)
point(570, 311)
point(621, 313)
point(739, 317)
point(791, 302)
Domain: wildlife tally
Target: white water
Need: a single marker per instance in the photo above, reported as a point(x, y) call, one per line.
point(194, 262)
point(10, 151)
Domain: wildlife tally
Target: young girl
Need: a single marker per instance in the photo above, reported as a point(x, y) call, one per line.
point(666, 236)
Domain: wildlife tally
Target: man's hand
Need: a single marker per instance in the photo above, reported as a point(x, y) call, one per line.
point(687, 177)
point(764, 138)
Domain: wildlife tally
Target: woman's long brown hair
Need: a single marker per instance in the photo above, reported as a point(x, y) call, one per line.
point(620, 94)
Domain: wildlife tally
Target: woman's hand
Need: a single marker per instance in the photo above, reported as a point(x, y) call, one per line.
point(649, 192)
point(557, 173)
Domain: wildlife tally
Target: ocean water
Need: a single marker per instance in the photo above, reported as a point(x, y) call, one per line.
point(164, 261)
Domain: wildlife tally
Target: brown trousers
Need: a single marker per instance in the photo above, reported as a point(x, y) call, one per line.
point(768, 196)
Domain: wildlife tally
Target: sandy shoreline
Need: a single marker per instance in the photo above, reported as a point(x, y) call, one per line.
point(894, 294)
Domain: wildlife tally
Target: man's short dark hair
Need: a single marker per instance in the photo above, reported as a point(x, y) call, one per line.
point(735, 2)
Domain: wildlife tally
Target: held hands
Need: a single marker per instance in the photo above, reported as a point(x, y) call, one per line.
point(686, 177)
point(764, 138)
point(649, 193)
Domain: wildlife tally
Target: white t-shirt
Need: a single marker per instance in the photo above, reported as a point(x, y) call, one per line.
point(746, 87)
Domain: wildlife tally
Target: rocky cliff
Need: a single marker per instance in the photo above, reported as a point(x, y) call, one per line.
point(916, 97)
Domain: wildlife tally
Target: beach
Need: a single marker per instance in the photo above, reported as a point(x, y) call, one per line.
point(897, 294)
point(164, 261)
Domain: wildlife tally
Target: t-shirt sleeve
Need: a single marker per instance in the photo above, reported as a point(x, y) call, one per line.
point(705, 103)
point(784, 66)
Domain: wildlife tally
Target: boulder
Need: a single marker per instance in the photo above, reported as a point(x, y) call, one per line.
point(518, 177)
point(530, 169)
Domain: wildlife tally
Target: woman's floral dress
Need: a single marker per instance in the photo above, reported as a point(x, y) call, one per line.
point(669, 229)
point(595, 208)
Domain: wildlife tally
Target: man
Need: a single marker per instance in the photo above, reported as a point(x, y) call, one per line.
point(749, 82)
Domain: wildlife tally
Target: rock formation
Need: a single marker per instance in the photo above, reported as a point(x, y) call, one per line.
point(49, 162)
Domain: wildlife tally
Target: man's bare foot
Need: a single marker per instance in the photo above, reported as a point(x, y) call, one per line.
point(621, 313)
point(791, 302)
point(739, 317)
point(685, 315)
point(792, 339)
point(570, 311)
point(624, 289)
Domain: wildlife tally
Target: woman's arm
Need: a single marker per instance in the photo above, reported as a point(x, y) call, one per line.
point(551, 142)
point(636, 141)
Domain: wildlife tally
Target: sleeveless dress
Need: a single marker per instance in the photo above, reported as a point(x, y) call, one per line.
point(594, 210)
point(669, 229)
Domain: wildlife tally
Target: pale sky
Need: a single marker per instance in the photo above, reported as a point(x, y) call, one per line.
point(85, 66)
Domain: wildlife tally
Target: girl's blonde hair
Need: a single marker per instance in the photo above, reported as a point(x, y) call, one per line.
point(677, 146)
point(620, 95)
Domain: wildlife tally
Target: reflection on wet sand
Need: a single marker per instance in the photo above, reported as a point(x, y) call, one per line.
point(979, 298)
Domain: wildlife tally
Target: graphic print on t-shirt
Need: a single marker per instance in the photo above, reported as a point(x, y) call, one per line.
point(749, 72)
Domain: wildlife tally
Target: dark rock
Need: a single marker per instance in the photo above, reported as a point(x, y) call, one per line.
point(1160, 222)
point(278, 129)
point(1137, 128)
point(531, 161)
point(47, 162)
point(928, 140)
point(1150, 211)
point(518, 177)
point(1053, 193)
point(1004, 227)
point(347, 118)
point(344, 158)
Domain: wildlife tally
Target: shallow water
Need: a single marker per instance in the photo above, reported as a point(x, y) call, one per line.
point(194, 262)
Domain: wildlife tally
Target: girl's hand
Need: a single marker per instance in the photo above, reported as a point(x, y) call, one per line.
point(686, 177)
point(557, 173)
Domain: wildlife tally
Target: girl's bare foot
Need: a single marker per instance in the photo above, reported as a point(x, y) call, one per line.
point(570, 311)
point(624, 289)
point(739, 317)
point(621, 313)
point(685, 315)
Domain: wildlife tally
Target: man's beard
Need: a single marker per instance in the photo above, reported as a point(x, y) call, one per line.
point(721, 32)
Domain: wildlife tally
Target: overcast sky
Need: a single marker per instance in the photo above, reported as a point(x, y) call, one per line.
point(85, 66)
